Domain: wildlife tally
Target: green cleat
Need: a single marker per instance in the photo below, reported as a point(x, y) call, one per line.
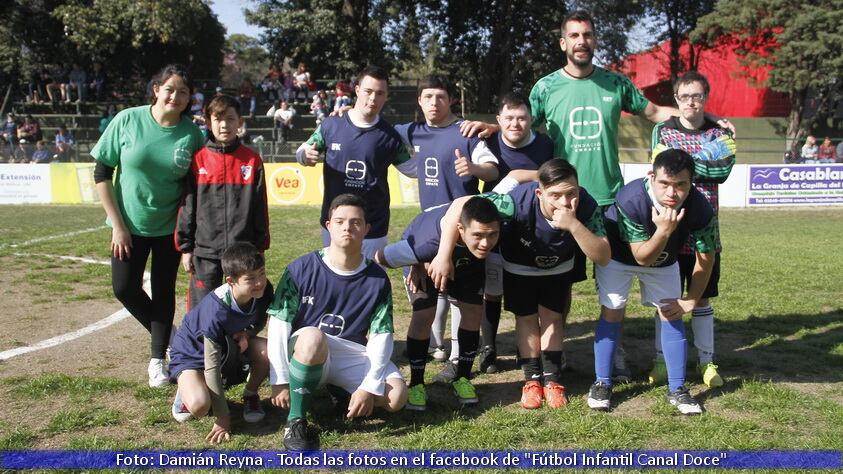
point(709, 375)
point(464, 391)
point(658, 376)
point(416, 398)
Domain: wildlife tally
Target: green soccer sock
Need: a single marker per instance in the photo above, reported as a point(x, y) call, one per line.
point(303, 381)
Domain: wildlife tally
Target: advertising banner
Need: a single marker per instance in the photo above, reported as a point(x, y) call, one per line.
point(25, 184)
point(794, 185)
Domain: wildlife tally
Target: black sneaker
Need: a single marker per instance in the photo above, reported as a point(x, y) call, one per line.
point(296, 437)
point(600, 396)
point(340, 399)
point(448, 373)
point(488, 360)
point(684, 402)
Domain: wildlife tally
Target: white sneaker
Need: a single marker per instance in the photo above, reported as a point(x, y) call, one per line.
point(179, 410)
point(158, 375)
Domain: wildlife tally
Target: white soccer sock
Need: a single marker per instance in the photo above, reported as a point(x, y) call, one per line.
point(658, 323)
point(456, 319)
point(437, 329)
point(702, 323)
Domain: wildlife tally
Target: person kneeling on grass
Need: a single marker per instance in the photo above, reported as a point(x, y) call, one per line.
point(650, 220)
point(332, 324)
point(478, 229)
point(205, 353)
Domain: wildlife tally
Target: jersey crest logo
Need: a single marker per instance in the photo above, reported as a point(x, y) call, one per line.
point(332, 324)
point(202, 171)
point(355, 169)
point(585, 123)
point(662, 258)
point(246, 172)
point(307, 300)
point(336, 146)
point(461, 262)
point(545, 261)
point(431, 167)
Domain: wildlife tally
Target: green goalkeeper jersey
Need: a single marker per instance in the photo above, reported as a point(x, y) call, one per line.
point(582, 116)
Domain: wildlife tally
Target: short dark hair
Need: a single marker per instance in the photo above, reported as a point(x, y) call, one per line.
point(480, 210)
point(578, 15)
point(164, 74)
point(513, 100)
point(673, 161)
point(689, 77)
point(219, 104)
point(347, 199)
point(241, 257)
point(375, 72)
point(434, 82)
point(555, 171)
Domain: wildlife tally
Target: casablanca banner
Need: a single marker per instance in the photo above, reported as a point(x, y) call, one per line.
point(794, 185)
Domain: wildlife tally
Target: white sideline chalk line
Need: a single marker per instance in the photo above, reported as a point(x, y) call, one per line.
point(115, 317)
point(53, 237)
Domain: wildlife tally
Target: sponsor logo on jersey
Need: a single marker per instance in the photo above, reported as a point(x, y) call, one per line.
point(431, 167)
point(182, 157)
point(461, 262)
point(202, 170)
point(307, 300)
point(525, 242)
point(417, 148)
point(355, 169)
point(332, 324)
point(662, 258)
point(585, 123)
point(246, 172)
point(336, 146)
point(607, 99)
point(547, 261)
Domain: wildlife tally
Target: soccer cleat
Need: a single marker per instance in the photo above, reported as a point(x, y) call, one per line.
point(252, 410)
point(684, 402)
point(416, 398)
point(439, 354)
point(157, 373)
point(179, 410)
point(464, 391)
point(620, 369)
point(296, 437)
point(448, 373)
point(532, 395)
point(488, 360)
point(709, 375)
point(658, 375)
point(554, 395)
point(600, 396)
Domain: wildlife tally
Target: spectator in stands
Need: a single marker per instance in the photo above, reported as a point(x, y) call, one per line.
point(826, 153)
point(218, 91)
point(58, 82)
point(839, 152)
point(197, 102)
point(106, 117)
point(64, 145)
point(34, 88)
point(28, 134)
point(41, 155)
point(318, 107)
point(247, 97)
point(10, 135)
point(810, 150)
point(284, 119)
point(78, 80)
point(343, 98)
point(98, 78)
point(301, 83)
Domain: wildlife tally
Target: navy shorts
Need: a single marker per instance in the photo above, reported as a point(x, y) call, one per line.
point(522, 295)
point(686, 269)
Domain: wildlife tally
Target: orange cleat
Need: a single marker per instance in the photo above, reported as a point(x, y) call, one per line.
point(531, 395)
point(554, 394)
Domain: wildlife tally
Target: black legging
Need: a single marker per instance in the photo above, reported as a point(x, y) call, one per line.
point(155, 314)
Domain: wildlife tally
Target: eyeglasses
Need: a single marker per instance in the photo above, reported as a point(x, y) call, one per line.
point(688, 97)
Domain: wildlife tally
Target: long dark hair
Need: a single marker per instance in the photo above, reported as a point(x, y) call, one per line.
point(165, 74)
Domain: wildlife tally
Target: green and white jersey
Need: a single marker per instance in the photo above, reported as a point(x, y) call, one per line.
point(581, 117)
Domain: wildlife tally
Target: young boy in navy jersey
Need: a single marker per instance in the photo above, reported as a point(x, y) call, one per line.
point(332, 324)
point(448, 166)
point(478, 229)
point(225, 200)
point(358, 148)
point(205, 352)
point(544, 225)
point(646, 226)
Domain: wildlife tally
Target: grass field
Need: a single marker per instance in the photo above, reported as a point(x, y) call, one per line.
point(779, 345)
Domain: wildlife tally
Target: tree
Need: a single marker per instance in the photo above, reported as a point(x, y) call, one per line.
point(30, 38)
point(799, 44)
point(245, 58)
point(673, 20)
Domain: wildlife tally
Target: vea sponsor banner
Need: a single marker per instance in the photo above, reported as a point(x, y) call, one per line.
point(794, 185)
point(25, 184)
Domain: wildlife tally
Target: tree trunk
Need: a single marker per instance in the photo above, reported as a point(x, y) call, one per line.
point(795, 127)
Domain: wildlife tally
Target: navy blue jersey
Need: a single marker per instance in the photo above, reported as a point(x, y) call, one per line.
point(214, 318)
point(527, 238)
point(433, 152)
point(630, 219)
point(528, 157)
point(356, 161)
point(311, 294)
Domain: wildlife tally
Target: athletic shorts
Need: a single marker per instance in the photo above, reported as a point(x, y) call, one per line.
point(523, 294)
point(370, 246)
point(235, 365)
point(686, 269)
point(657, 283)
point(494, 274)
point(347, 364)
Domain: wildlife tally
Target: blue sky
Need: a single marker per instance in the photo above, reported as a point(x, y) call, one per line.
point(230, 13)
